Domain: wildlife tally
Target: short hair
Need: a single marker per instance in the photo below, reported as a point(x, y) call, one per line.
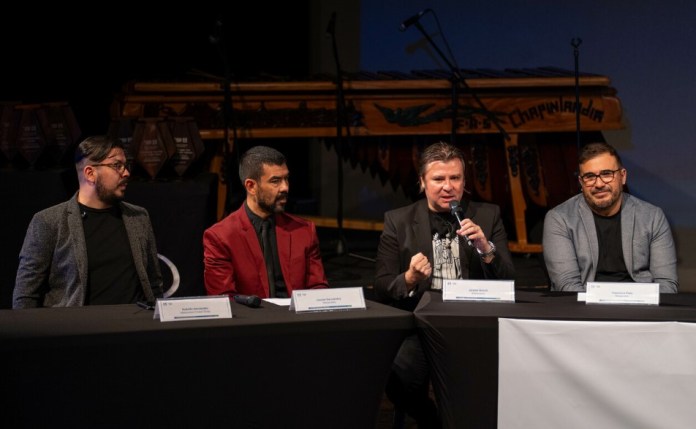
point(440, 151)
point(251, 164)
point(96, 148)
point(592, 150)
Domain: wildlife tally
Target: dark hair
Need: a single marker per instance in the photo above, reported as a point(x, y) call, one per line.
point(439, 151)
point(251, 165)
point(96, 148)
point(592, 150)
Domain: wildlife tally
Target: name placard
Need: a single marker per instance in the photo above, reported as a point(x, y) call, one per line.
point(622, 293)
point(479, 290)
point(193, 308)
point(336, 299)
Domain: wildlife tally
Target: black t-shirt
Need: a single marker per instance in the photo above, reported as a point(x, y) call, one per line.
point(610, 266)
point(112, 277)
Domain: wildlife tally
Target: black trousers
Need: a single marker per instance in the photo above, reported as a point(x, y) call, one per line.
point(409, 384)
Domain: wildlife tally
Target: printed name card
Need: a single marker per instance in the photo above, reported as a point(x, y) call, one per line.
point(622, 293)
point(193, 308)
point(479, 290)
point(311, 300)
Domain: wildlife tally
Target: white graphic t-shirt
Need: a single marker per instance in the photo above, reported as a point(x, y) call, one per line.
point(446, 261)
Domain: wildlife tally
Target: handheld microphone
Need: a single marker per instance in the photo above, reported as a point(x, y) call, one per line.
point(146, 305)
point(412, 20)
point(458, 212)
point(252, 301)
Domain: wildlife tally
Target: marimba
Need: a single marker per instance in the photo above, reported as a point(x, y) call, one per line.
point(536, 107)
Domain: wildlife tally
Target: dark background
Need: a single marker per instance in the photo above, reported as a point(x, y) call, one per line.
point(646, 48)
point(52, 55)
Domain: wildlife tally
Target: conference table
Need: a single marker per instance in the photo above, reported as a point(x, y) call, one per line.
point(268, 367)
point(461, 341)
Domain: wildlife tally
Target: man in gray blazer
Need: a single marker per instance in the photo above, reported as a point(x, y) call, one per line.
point(605, 234)
point(94, 248)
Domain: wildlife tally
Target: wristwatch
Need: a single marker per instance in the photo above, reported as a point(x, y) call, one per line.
point(489, 253)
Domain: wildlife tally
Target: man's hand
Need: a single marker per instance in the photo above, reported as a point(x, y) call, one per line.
point(419, 269)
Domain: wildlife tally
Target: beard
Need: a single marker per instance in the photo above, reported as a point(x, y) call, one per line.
point(600, 206)
point(271, 205)
point(110, 197)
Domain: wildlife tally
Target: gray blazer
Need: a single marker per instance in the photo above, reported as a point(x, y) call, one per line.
point(571, 246)
point(53, 261)
point(407, 232)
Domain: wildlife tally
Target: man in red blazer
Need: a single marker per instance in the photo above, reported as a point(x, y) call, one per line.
point(233, 250)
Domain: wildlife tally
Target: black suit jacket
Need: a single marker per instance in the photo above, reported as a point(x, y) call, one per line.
point(407, 231)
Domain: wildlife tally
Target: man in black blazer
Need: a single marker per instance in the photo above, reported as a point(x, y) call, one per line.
point(423, 244)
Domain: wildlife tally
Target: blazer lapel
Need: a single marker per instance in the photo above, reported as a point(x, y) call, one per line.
point(133, 232)
point(628, 219)
point(470, 213)
point(252, 244)
point(421, 229)
point(283, 243)
point(588, 224)
point(77, 236)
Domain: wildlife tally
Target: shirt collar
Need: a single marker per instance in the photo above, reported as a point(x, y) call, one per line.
point(256, 221)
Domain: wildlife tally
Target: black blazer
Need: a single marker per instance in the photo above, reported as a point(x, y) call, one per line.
point(407, 231)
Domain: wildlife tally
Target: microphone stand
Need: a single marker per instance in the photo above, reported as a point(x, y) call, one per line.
point(341, 122)
point(227, 117)
point(576, 53)
point(457, 80)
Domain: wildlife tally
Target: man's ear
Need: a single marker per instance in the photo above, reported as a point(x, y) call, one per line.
point(250, 186)
point(88, 172)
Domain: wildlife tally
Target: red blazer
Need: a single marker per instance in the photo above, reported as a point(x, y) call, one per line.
point(234, 261)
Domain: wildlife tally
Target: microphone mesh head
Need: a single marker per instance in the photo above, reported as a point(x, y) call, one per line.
point(454, 206)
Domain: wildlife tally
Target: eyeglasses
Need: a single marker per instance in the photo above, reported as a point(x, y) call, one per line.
point(589, 179)
point(119, 166)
